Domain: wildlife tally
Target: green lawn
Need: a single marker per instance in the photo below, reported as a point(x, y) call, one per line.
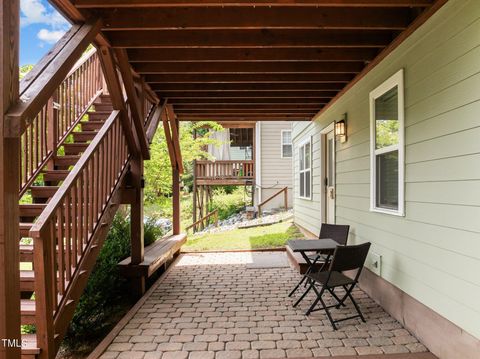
point(274, 236)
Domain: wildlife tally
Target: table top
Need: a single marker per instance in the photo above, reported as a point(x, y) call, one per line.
point(312, 245)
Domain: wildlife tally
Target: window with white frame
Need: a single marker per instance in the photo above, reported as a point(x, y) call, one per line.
point(286, 144)
point(387, 146)
point(305, 169)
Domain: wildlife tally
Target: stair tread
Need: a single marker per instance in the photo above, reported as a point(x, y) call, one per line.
point(26, 225)
point(68, 157)
point(76, 144)
point(27, 306)
point(27, 275)
point(100, 112)
point(29, 346)
point(26, 247)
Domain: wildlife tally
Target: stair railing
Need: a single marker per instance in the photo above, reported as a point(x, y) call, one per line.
point(63, 234)
point(41, 138)
point(285, 200)
point(204, 221)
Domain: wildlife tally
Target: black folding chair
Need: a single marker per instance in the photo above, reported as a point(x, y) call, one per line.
point(337, 232)
point(345, 258)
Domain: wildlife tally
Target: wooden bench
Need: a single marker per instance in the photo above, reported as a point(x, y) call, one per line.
point(297, 262)
point(157, 254)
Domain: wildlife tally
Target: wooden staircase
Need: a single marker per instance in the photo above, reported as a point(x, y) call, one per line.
point(40, 193)
point(77, 142)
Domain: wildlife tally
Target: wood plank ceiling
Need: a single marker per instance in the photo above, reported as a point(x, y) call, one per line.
point(249, 60)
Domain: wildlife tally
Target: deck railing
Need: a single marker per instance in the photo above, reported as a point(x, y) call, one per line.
point(58, 117)
point(225, 170)
point(63, 233)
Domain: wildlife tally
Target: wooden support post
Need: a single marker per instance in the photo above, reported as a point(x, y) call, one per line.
point(9, 185)
point(136, 224)
point(286, 198)
point(176, 183)
point(194, 191)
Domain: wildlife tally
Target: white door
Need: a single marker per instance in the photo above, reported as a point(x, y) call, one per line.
point(330, 177)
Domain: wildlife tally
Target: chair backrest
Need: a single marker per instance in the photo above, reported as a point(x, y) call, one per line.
point(347, 258)
point(337, 232)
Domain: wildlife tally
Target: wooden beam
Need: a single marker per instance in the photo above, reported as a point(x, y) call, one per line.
point(248, 54)
point(333, 86)
point(213, 18)
point(156, 118)
point(168, 138)
point(250, 101)
point(420, 20)
point(239, 3)
point(249, 78)
point(267, 114)
point(175, 137)
point(269, 67)
point(133, 100)
point(244, 118)
point(251, 94)
point(39, 90)
point(115, 90)
point(9, 183)
point(249, 107)
point(267, 38)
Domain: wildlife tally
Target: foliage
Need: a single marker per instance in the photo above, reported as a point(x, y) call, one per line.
point(158, 171)
point(228, 203)
point(386, 133)
point(273, 236)
point(106, 288)
point(25, 69)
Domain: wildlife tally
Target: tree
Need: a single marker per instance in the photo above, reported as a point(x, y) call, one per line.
point(158, 171)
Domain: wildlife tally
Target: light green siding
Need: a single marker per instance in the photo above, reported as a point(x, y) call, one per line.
point(433, 253)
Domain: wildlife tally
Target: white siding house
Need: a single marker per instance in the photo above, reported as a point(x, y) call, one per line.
point(430, 251)
point(273, 162)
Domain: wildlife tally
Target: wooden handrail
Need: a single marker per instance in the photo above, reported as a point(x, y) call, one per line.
point(284, 190)
point(204, 218)
point(65, 231)
point(37, 93)
point(59, 116)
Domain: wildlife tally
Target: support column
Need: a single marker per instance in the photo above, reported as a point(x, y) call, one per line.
point(176, 186)
point(9, 186)
point(136, 222)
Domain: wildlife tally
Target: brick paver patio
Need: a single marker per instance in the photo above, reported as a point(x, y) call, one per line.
point(235, 305)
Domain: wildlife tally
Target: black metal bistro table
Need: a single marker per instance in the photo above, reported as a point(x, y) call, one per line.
point(324, 245)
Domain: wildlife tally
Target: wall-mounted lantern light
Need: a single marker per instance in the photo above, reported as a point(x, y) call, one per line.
point(341, 129)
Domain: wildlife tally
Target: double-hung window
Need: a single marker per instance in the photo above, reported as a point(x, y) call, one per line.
point(286, 144)
point(387, 146)
point(305, 169)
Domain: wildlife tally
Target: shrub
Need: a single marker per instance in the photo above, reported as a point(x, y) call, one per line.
point(228, 203)
point(104, 288)
point(105, 293)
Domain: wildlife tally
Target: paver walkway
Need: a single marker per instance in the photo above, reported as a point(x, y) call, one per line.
point(235, 305)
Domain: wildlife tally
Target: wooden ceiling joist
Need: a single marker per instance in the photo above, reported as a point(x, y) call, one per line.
point(249, 54)
point(247, 60)
point(248, 67)
point(173, 87)
point(214, 18)
point(248, 78)
point(249, 3)
point(263, 38)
